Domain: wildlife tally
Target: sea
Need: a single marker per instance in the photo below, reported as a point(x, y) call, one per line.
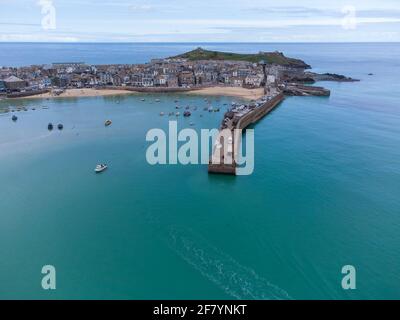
point(325, 192)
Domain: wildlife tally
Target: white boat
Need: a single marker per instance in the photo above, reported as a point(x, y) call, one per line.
point(100, 168)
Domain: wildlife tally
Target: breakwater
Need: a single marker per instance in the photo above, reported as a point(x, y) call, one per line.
point(16, 95)
point(225, 152)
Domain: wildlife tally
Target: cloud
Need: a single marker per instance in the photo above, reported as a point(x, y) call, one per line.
point(29, 37)
point(143, 7)
point(277, 23)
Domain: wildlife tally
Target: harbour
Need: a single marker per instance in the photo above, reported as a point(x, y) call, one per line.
point(324, 192)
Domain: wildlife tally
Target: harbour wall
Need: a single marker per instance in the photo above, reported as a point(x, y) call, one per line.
point(247, 119)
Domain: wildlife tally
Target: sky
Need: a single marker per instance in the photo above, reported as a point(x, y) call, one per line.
point(199, 21)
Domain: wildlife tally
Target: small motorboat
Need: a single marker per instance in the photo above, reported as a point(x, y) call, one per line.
point(157, 100)
point(187, 114)
point(108, 123)
point(162, 114)
point(177, 114)
point(50, 127)
point(100, 168)
point(60, 127)
point(14, 118)
point(143, 99)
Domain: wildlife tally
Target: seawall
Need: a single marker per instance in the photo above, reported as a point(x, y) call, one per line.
point(224, 163)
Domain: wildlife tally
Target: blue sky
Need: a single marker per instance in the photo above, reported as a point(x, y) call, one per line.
point(200, 21)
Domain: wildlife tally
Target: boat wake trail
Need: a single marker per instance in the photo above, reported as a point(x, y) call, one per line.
point(234, 279)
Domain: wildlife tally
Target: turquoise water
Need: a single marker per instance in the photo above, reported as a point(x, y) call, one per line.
point(324, 194)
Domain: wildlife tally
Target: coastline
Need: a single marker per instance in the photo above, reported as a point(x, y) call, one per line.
point(239, 92)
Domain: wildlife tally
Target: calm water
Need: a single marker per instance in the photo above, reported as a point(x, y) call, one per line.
point(324, 194)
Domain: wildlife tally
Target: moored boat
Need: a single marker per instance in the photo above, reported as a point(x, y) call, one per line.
point(50, 126)
point(100, 168)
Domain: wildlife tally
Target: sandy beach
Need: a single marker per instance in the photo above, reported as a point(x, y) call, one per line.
point(80, 93)
point(249, 94)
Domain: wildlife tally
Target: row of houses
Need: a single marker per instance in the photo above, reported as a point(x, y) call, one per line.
point(158, 73)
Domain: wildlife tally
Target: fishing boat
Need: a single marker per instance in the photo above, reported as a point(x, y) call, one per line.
point(108, 123)
point(100, 168)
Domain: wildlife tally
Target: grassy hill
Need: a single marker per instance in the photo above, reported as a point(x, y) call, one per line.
point(269, 57)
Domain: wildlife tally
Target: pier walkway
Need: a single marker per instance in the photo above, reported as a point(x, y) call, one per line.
point(227, 145)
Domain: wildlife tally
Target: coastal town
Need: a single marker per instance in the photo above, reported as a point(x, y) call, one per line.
point(273, 75)
point(171, 74)
point(168, 73)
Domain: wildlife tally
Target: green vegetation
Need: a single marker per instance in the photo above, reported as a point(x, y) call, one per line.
point(269, 57)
